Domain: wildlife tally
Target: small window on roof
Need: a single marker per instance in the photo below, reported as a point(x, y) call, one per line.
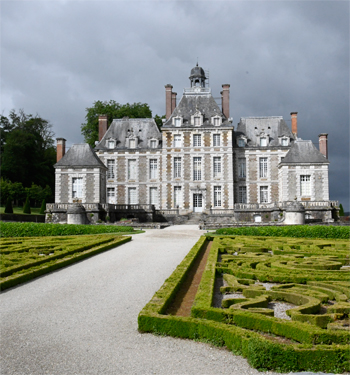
point(110, 143)
point(177, 121)
point(263, 141)
point(284, 141)
point(153, 143)
point(241, 143)
point(132, 143)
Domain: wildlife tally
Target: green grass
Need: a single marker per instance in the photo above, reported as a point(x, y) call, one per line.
point(19, 210)
point(8, 229)
point(23, 259)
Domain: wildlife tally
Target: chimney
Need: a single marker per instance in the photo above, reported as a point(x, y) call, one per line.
point(225, 100)
point(168, 100)
point(173, 101)
point(294, 123)
point(323, 142)
point(102, 126)
point(61, 148)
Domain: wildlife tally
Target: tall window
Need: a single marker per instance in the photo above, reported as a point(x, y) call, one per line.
point(177, 167)
point(153, 196)
point(197, 169)
point(217, 166)
point(305, 185)
point(217, 196)
point(177, 140)
point(153, 169)
point(132, 195)
point(262, 167)
point(110, 166)
point(77, 187)
point(216, 140)
point(242, 194)
point(241, 167)
point(197, 140)
point(110, 195)
point(263, 141)
point(177, 196)
point(264, 194)
point(153, 143)
point(132, 175)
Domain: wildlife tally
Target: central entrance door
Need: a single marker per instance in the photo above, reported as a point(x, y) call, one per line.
point(197, 202)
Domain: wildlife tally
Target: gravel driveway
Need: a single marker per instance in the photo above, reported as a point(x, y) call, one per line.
point(83, 319)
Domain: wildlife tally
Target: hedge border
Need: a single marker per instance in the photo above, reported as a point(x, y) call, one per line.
point(14, 280)
point(207, 323)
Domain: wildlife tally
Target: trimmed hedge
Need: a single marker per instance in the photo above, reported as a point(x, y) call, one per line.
point(296, 231)
point(317, 350)
point(8, 229)
point(28, 271)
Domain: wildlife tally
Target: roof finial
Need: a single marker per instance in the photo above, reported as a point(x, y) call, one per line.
point(197, 61)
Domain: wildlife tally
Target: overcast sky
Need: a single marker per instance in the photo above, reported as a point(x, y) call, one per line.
point(58, 57)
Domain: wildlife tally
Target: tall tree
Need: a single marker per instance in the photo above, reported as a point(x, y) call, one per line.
point(28, 151)
point(113, 110)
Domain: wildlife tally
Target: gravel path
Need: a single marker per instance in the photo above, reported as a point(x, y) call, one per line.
point(83, 319)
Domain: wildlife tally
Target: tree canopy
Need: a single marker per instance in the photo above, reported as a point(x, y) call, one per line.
point(113, 110)
point(27, 149)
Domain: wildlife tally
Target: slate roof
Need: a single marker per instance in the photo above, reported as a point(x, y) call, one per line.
point(80, 155)
point(304, 152)
point(273, 126)
point(190, 103)
point(119, 130)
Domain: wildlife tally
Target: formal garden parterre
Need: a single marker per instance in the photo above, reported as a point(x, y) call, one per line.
point(23, 259)
point(253, 274)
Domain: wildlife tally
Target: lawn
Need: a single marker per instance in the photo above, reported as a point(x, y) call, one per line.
point(19, 210)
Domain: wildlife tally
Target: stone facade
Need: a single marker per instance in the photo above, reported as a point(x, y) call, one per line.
point(199, 163)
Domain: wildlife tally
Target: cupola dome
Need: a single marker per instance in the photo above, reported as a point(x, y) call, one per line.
point(197, 77)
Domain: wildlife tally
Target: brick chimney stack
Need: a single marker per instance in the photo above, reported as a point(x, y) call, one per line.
point(323, 142)
point(168, 100)
point(173, 101)
point(294, 123)
point(61, 148)
point(102, 126)
point(225, 100)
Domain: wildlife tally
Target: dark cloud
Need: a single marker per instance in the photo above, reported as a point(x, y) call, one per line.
point(58, 57)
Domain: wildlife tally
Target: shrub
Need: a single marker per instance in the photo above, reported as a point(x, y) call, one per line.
point(8, 229)
point(8, 207)
point(26, 207)
point(341, 210)
point(43, 207)
point(296, 231)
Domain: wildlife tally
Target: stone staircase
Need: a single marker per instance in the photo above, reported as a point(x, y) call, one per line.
point(195, 218)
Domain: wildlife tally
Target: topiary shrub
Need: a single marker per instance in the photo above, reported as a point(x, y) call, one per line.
point(341, 210)
point(26, 207)
point(8, 207)
point(43, 207)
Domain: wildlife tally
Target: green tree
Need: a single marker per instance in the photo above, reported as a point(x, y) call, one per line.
point(113, 110)
point(8, 207)
point(26, 207)
point(43, 207)
point(341, 210)
point(28, 151)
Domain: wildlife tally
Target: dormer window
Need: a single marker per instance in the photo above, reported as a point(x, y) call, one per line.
point(241, 142)
point(110, 143)
point(263, 141)
point(284, 141)
point(197, 119)
point(216, 120)
point(132, 143)
point(153, 143)
point(177, 121)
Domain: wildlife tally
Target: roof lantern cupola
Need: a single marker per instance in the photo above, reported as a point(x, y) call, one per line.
point(197, 77)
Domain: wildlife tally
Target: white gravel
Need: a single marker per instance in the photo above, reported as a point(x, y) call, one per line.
point(83, 319)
